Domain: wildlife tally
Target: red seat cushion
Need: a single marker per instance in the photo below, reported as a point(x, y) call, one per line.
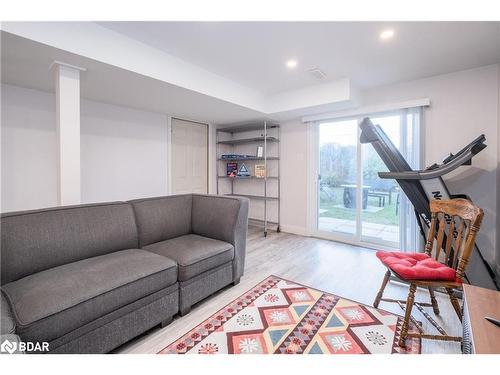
point(416, 266)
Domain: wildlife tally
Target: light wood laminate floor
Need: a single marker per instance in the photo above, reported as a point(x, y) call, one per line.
point(345, 270)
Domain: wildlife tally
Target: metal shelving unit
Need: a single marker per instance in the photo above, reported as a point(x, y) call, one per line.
point(265, 139)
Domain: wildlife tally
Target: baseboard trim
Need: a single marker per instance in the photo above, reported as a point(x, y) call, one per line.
point(293, 229)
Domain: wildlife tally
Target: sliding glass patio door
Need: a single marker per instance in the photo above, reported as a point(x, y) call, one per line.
point(353, 204)
point(338, 177)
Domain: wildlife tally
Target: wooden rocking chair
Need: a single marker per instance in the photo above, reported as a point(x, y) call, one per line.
point(446, 269)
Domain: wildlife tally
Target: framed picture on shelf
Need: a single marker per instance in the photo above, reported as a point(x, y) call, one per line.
point(260, 151)
point(260, 171)
point(231, 169)
point(243, 171)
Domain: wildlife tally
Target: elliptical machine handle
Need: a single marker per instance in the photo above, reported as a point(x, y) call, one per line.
point(431, 173)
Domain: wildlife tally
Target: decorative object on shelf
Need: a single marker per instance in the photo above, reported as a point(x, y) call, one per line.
point(235, 156)
point(243, 172)
point(260, 170)
point(279, 316)
point(232, 169)
point(260, 151)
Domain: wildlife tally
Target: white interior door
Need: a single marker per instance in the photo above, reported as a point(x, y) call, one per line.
point(189, 157)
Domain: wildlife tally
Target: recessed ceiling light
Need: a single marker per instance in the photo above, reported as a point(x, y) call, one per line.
point(387, 34)
point(291, 64)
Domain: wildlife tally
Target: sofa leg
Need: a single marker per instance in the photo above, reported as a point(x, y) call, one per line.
point(166, 322)
point(236, 282)
point(185, 311)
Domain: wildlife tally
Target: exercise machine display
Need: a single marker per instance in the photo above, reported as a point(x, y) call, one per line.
point(421, 186)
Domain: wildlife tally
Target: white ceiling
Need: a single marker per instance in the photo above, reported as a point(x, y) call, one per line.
point(253, 54)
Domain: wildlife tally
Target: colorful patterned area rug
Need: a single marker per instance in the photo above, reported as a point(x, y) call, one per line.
point(283, 317)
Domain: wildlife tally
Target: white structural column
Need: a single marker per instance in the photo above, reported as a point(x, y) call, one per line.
point(68, 129)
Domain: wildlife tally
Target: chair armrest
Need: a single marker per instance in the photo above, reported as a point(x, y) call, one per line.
point(225, 219)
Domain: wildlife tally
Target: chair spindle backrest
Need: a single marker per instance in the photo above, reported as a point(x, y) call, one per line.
point(457, 222)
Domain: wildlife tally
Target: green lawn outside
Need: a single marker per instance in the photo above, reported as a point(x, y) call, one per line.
point(385, 216)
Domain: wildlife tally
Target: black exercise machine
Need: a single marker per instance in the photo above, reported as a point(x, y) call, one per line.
point(421, 186)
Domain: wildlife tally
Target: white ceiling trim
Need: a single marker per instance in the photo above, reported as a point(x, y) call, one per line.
point(333, 92)
point(423, 102)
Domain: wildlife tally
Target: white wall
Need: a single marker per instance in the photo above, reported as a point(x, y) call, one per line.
point(123, 151)
point(463, 105)
point(29, 149)
point(293, 170)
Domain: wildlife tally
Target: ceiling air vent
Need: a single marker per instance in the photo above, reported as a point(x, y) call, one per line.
point(317, 73)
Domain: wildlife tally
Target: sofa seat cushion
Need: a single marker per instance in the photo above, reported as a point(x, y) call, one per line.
point(194, 254)
point(53, 302)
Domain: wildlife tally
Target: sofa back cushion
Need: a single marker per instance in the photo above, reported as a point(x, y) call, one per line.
point(215, 216)
point(162, 218)
point(33, 241)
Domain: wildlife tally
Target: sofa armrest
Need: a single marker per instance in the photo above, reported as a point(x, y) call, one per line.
point(7, 324)
point(225, 219)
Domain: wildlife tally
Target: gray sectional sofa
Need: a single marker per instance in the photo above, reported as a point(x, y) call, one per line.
point(89, 278)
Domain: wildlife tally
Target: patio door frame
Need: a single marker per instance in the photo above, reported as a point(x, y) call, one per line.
point(405, 207)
